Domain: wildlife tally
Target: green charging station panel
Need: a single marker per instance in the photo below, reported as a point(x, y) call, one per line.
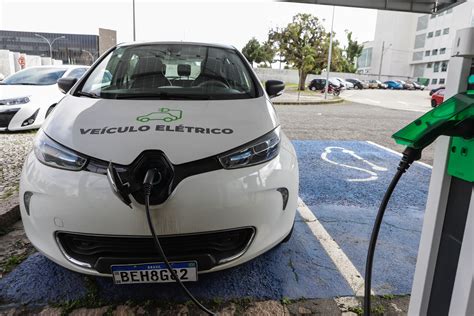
point(452, 113)
point(461, 158)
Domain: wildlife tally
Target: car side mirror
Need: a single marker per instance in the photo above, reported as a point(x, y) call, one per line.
point(65, 84)
point(274, 88)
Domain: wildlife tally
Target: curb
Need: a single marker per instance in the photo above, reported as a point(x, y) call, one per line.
point(9, 211)
point(340, 100)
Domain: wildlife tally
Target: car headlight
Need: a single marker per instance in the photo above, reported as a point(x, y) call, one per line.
point(261, 150)
point(55, 155)
point(15, 101)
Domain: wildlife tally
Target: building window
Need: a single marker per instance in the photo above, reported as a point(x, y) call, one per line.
point(444, 66)
point(365, 58)
point(419, 70)
point(436, 67)
point(434, 52)
point(446, 31)
point(430, 34)
point(434, 81)
point(427, 53)
point(441, 81)
point(429, 65)
point(417, 56)
point(442, 51)
point(422, 23)
point(438, 33)
point(420, 40)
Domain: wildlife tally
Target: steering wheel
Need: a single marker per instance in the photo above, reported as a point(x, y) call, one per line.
point(213, 83)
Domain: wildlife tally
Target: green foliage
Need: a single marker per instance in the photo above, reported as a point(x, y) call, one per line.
point(258, 53)
point(303, 43)
point(12, 262)
point(352, 51)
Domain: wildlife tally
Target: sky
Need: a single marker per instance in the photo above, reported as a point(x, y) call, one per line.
point(225, 21)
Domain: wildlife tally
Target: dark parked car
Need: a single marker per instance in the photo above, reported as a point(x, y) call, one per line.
point(406, 85)
point(357, 83)
point(433, 91)
point(320, 84)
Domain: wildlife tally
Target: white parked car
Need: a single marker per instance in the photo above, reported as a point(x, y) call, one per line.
point(345, 84)
point(197, 115)
point(28, 96)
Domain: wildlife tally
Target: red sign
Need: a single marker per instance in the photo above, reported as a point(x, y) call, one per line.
point(22, 61)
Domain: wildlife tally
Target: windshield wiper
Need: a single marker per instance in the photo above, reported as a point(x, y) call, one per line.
point(87, 94)
point(163, 96)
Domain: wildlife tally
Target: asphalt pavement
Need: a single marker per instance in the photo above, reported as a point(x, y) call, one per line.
point(342, 183)
point(347, 121)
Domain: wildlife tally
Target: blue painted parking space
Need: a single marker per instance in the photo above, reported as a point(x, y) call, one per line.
point(342, 183)
point(339, 194)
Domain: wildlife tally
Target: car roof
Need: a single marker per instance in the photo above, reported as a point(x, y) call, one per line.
point(58, 66)
point(175, 42)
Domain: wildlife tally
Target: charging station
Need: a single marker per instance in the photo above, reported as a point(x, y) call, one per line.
point(444, 276)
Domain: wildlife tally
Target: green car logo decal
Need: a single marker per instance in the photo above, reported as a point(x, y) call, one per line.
point(163, 114)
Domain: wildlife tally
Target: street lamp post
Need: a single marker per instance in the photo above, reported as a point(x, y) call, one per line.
point(134, 35)
point(329, 56)
point(50, 43)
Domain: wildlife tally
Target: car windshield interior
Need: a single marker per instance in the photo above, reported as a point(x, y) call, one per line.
point(35, 77)
point(170, 71)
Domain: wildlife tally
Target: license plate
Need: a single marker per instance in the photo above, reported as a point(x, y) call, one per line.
point(154, 272)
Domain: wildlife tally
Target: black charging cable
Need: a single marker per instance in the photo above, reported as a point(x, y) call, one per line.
point(409, 156)
point(152, 178)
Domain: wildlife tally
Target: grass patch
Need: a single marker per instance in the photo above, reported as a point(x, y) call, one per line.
point(12, 262)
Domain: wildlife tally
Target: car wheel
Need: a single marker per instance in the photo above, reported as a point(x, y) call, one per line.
point(144, 119)
point(312, 88)
point(51, 108)
point(433, 103)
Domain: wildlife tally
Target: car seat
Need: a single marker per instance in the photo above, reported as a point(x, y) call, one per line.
point(149, 74)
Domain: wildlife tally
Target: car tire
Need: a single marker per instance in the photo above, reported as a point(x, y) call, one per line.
point(50, 109)
point(312, 88)
point(433, 103)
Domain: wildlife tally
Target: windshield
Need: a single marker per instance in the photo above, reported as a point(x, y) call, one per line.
point(35, 77)
point(170, 71)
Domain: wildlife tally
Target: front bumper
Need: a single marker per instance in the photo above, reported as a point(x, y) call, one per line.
point(222, 200)
point(12, 117)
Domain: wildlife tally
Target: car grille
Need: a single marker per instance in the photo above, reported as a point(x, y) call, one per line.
point(208, 249)
point(6, 117)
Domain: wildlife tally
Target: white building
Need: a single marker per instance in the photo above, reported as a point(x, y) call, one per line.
point(415, 46)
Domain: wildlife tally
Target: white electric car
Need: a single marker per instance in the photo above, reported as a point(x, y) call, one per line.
point(197, 113)
point(28, 96)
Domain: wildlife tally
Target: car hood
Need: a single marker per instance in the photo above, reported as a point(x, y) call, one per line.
point(15, 91)
point(111, 130)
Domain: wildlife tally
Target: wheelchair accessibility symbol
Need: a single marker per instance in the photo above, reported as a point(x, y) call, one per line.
point(372, 174)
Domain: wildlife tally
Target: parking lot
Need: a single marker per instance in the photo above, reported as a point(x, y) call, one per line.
point(342, 179)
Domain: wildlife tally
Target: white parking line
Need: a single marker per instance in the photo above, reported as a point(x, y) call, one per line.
point(341, 261)
point(398, 154)
point(401, 102)
point(373, 101)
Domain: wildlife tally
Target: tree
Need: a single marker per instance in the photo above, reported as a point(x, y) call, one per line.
point(352, 51)
point(267, 54)
point(304, 43)
point(251, 51)
point(258, 53)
